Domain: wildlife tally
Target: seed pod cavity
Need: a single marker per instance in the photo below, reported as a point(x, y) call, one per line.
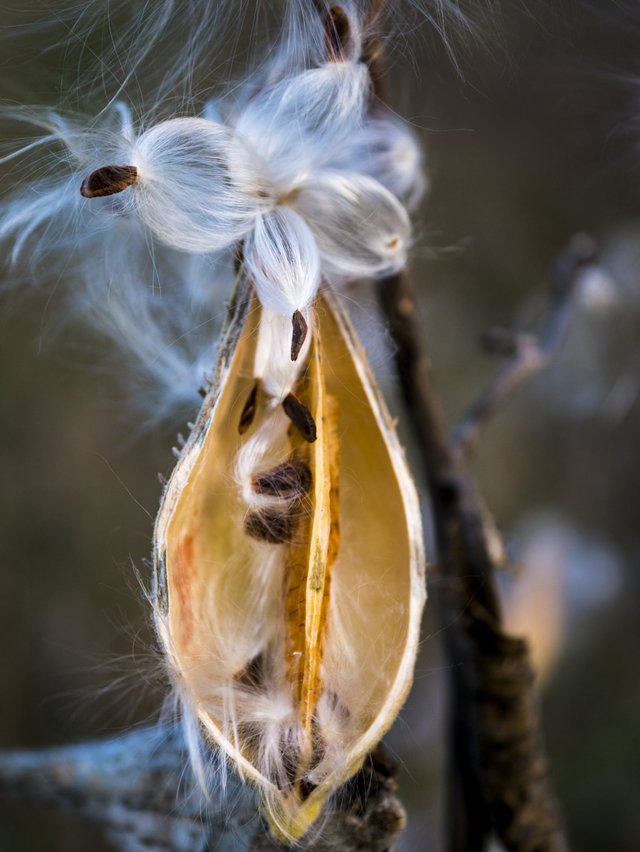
point(290, 574)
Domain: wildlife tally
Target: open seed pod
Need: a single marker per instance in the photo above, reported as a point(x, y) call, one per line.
point(289, 566)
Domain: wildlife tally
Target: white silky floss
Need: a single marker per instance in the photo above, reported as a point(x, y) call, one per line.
point(163, 308)
point(299, 174)
point(269, 181)
point(385, 148)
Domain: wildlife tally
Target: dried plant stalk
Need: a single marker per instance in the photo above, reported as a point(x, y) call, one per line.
point(291, 621)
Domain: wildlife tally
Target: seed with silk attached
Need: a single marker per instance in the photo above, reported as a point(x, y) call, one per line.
point(289, 480)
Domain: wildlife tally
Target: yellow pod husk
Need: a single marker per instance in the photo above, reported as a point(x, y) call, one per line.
point(295, 650)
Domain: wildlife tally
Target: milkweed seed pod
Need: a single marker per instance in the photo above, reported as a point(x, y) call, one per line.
point(289, 565)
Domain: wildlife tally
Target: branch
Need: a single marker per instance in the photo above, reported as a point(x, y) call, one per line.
point(136, 786)
point(497, 768)
point(528, 355)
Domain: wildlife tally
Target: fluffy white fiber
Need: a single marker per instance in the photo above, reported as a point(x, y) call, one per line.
point(361, 229)
point(292, 166)
point(282, 257)
point(198, 188)
point(301, 123)
point(385, 148)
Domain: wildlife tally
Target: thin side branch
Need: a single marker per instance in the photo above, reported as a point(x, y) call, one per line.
point(529, 355)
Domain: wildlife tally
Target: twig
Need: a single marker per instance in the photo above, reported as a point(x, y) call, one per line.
point(137, 788)
point(498, 776)
point(529, 355)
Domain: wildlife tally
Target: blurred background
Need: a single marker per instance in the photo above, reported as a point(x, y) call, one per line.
point(534, 137)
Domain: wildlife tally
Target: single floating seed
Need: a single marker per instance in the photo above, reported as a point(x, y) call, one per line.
point(301, 417)
point(108, 180)
point(289, 480)
point(270, 526)
point(337, 31)
point(299, 334)
point(249, 409)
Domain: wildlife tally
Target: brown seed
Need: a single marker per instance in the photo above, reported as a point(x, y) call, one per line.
point(301, 417)
point(289, 480)
point(336, 706)
point(249, 409)
point(270, 526)
point(318, 745)
point(299, 335)
point(108, 180)
point(337, 31)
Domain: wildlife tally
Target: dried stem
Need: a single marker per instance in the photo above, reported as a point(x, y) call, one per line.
point(498, 774)
point(136, 787)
